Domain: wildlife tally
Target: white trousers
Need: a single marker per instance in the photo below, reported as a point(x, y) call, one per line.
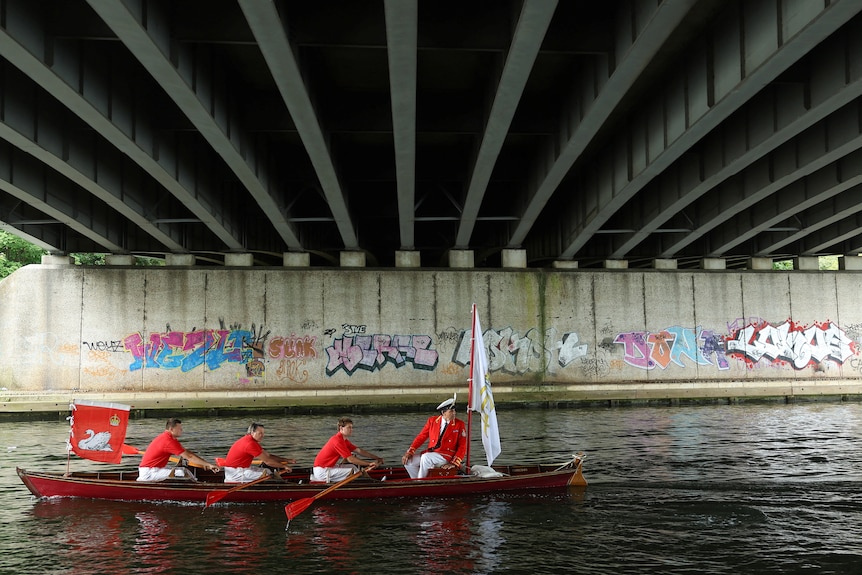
point(418, 465)
point(243, 474)
point(333, 474)
point(160, 473)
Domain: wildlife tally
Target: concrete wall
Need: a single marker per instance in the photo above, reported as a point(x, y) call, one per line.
point(390, 334)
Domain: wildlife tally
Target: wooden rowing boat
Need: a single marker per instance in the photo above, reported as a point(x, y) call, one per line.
point(382, 482)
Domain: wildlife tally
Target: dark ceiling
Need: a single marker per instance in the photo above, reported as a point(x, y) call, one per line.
point(573, 129)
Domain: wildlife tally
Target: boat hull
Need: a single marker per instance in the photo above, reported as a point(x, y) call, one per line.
point(386, 482)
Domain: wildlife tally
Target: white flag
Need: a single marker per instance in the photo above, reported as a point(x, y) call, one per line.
point(482, 398)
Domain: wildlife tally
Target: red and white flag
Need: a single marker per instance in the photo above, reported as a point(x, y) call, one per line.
point(482, 400)
point(98, 430)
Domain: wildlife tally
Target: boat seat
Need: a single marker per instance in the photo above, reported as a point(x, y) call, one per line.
point(440, 472)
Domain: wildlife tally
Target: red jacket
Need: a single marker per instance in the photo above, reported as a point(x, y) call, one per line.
point(454, 443)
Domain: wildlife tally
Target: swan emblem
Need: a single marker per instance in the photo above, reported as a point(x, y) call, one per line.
point(96, 441)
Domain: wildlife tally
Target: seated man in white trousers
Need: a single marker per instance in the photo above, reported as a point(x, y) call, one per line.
point(447, 440)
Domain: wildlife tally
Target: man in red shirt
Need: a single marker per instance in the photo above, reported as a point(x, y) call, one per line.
point(331, 463)
point(447, 439)
point(237, 464)
point(154, 463)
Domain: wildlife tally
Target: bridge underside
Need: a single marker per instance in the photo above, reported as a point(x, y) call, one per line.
point(572, 129)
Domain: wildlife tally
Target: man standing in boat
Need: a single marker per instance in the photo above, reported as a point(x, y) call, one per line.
point(447, 440)
point(336, 460)
point(154, 463)
point(238, 463)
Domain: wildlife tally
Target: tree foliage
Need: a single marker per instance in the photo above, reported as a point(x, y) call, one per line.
point(17, 252)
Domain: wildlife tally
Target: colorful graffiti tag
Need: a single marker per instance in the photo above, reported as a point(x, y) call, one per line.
point(371, 352)
point(188, 350)
point(797, 345)
point(787, 343)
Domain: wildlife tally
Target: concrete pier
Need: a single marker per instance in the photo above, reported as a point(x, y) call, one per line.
point(195, 338)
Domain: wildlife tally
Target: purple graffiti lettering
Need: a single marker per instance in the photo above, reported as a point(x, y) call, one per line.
point(371, 352)
point(636, 349)
point(712, 344)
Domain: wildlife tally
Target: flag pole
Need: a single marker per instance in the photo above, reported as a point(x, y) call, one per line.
point(470, 384)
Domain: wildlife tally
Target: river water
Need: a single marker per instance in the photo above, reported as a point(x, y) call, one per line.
point(766, 488)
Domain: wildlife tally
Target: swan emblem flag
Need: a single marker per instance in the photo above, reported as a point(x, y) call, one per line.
point(98, 430)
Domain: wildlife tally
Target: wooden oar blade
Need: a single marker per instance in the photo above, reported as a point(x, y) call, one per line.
point(297, 507)
point(215, 497)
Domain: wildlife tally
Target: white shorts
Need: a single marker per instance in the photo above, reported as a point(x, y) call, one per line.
point(161, 473)
point(243, 474)
point(332, 474)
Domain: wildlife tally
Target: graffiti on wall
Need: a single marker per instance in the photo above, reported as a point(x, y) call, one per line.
point(510, 352)
point(791, 343)
point(788, 343)
point(373, 352)
point(186, 350)
point(291, 354)
point(677, 345)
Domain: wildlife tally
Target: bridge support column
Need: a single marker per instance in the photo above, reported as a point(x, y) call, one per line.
point(239, 260)
point(178, 260)
point(461, 259)
point(713, 264)
point(616, 264)
point(119, 260)
point(296, 259)
point(352, 259)
point(760, 263)
point(565, 264)
point(806, 263)
point(407, 259)
point(49, 260)
point(514, 258)
point(664, 264)
point(850, 263)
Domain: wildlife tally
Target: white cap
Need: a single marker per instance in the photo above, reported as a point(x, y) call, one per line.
point(447, 404)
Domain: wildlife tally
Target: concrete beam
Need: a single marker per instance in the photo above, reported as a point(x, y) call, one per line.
point(402, 30)
point(533, 23)
point(25, 47)
point(269, 30)
point(772, 120)
point(695, 100)
point(641, 34)
point(188, 84)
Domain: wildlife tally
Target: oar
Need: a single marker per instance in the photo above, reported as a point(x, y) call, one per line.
point(216, 496)
point(300, 505)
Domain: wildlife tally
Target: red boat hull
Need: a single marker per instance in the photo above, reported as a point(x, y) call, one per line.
point(387, 482)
